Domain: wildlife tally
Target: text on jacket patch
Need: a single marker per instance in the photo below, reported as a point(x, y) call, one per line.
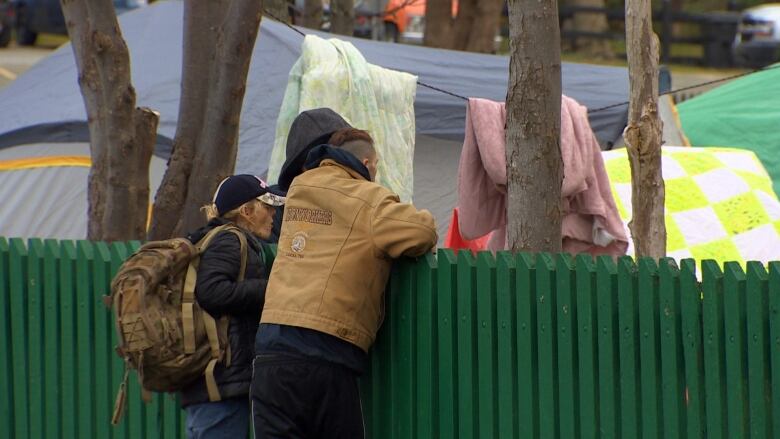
point(314, 216)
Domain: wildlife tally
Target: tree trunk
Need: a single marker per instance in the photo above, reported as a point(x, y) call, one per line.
point(278, 10)
point(206, 140)
point(643, 133)
point(342, 17)
point(591, 22)
point(463, 24)
point(202, 22)
point(438, 23)
point(485, 26)
point(534, 163)
point(122, 137)
point(312, 14)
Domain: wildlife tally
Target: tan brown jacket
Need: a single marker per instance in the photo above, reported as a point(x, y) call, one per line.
point(339, 236)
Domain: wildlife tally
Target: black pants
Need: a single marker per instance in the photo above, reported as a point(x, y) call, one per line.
point(301, 398)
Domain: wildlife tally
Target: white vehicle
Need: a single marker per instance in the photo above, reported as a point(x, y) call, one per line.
point(758, 36)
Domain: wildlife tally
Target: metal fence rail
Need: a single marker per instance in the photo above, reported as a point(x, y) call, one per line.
point(506, 346)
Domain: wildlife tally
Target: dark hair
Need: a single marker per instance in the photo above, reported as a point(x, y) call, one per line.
point(345, 135)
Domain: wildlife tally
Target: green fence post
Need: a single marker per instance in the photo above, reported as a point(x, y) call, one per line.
point(486, 345)
point(693, 354)
point(131, 424)
point(104, 352)
point(672, 372)
point(714, 349)
point(609, 384)
point(403, 293)
point(68, 365)
point(547, 340)
point(85, 339)
point(774, 345)
point(587, 347)
point(51, 329)
point(425, 344)
point(35, 340)
point(527, 346)
point(447, 319)
point(19, 337)
point(7, 410)
point(506, 368)
point(468, 421)
point(566, 315)
point(757, 355)
point(628, 345)
point(649, 348)
point(734, 313)
point(380, 380)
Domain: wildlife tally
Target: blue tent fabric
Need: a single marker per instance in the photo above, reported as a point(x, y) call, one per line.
point(45, 104)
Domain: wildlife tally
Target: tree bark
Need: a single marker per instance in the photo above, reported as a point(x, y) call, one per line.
point(463, 24)
point(122, 137)
point(312, 14)
point(534, 163)
point(277, 9)
point(202, 23)
point(484, 27)
point(217, 145)
point(643, 133)
point(476, 25)
point(206, 139)
point(342, 17)
point(591, 22)
point(438, 24)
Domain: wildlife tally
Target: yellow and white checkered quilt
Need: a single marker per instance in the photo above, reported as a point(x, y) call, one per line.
point(719, 203)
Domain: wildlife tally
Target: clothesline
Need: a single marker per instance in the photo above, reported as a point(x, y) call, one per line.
point(596, 110)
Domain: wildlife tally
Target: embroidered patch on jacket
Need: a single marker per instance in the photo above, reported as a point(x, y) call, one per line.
point(314, 216)
point(298, 242)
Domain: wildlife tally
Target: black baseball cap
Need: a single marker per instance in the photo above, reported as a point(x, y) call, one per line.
point(236, 190)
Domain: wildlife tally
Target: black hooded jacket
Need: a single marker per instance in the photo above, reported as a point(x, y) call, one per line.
point(309, 129)
point(219, 293)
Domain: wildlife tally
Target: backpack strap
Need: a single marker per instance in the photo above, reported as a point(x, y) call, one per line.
point(188, 292)
point(212, 327)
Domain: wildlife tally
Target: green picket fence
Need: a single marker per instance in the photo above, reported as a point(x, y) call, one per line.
point(472, 347)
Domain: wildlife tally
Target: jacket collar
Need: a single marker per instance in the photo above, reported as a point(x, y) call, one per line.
point(352, 173)
point(338, 156)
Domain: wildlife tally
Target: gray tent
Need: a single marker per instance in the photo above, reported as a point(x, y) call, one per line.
point(43, 113)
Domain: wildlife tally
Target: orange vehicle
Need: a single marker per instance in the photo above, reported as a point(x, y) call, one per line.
point(405, 20)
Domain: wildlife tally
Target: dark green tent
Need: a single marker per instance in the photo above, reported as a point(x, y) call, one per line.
point(744, 113)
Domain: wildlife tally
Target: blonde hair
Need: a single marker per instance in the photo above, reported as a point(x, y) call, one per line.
point(212, 212)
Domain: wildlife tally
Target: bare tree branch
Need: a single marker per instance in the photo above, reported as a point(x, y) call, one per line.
point(643, 133)
point(119, 132)
point(202, 22)
point(218, 142)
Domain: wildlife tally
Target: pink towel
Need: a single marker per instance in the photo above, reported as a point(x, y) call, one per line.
point(591, 222)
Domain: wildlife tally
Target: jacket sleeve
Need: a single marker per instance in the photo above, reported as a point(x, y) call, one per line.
point(399, 229)
point(217, 288)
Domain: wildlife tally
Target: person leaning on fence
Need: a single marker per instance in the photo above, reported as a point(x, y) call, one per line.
point(246, 202)
point(325, 297)
point(309, 129)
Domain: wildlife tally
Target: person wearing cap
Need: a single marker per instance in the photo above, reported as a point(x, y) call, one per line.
point(325, 297)
point(309, 129)
point(250, 204)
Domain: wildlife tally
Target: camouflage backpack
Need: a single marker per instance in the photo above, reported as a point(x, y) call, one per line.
point(163, 334)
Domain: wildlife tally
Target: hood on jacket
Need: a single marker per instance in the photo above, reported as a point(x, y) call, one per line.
point(309, 129)
point(340, 156)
